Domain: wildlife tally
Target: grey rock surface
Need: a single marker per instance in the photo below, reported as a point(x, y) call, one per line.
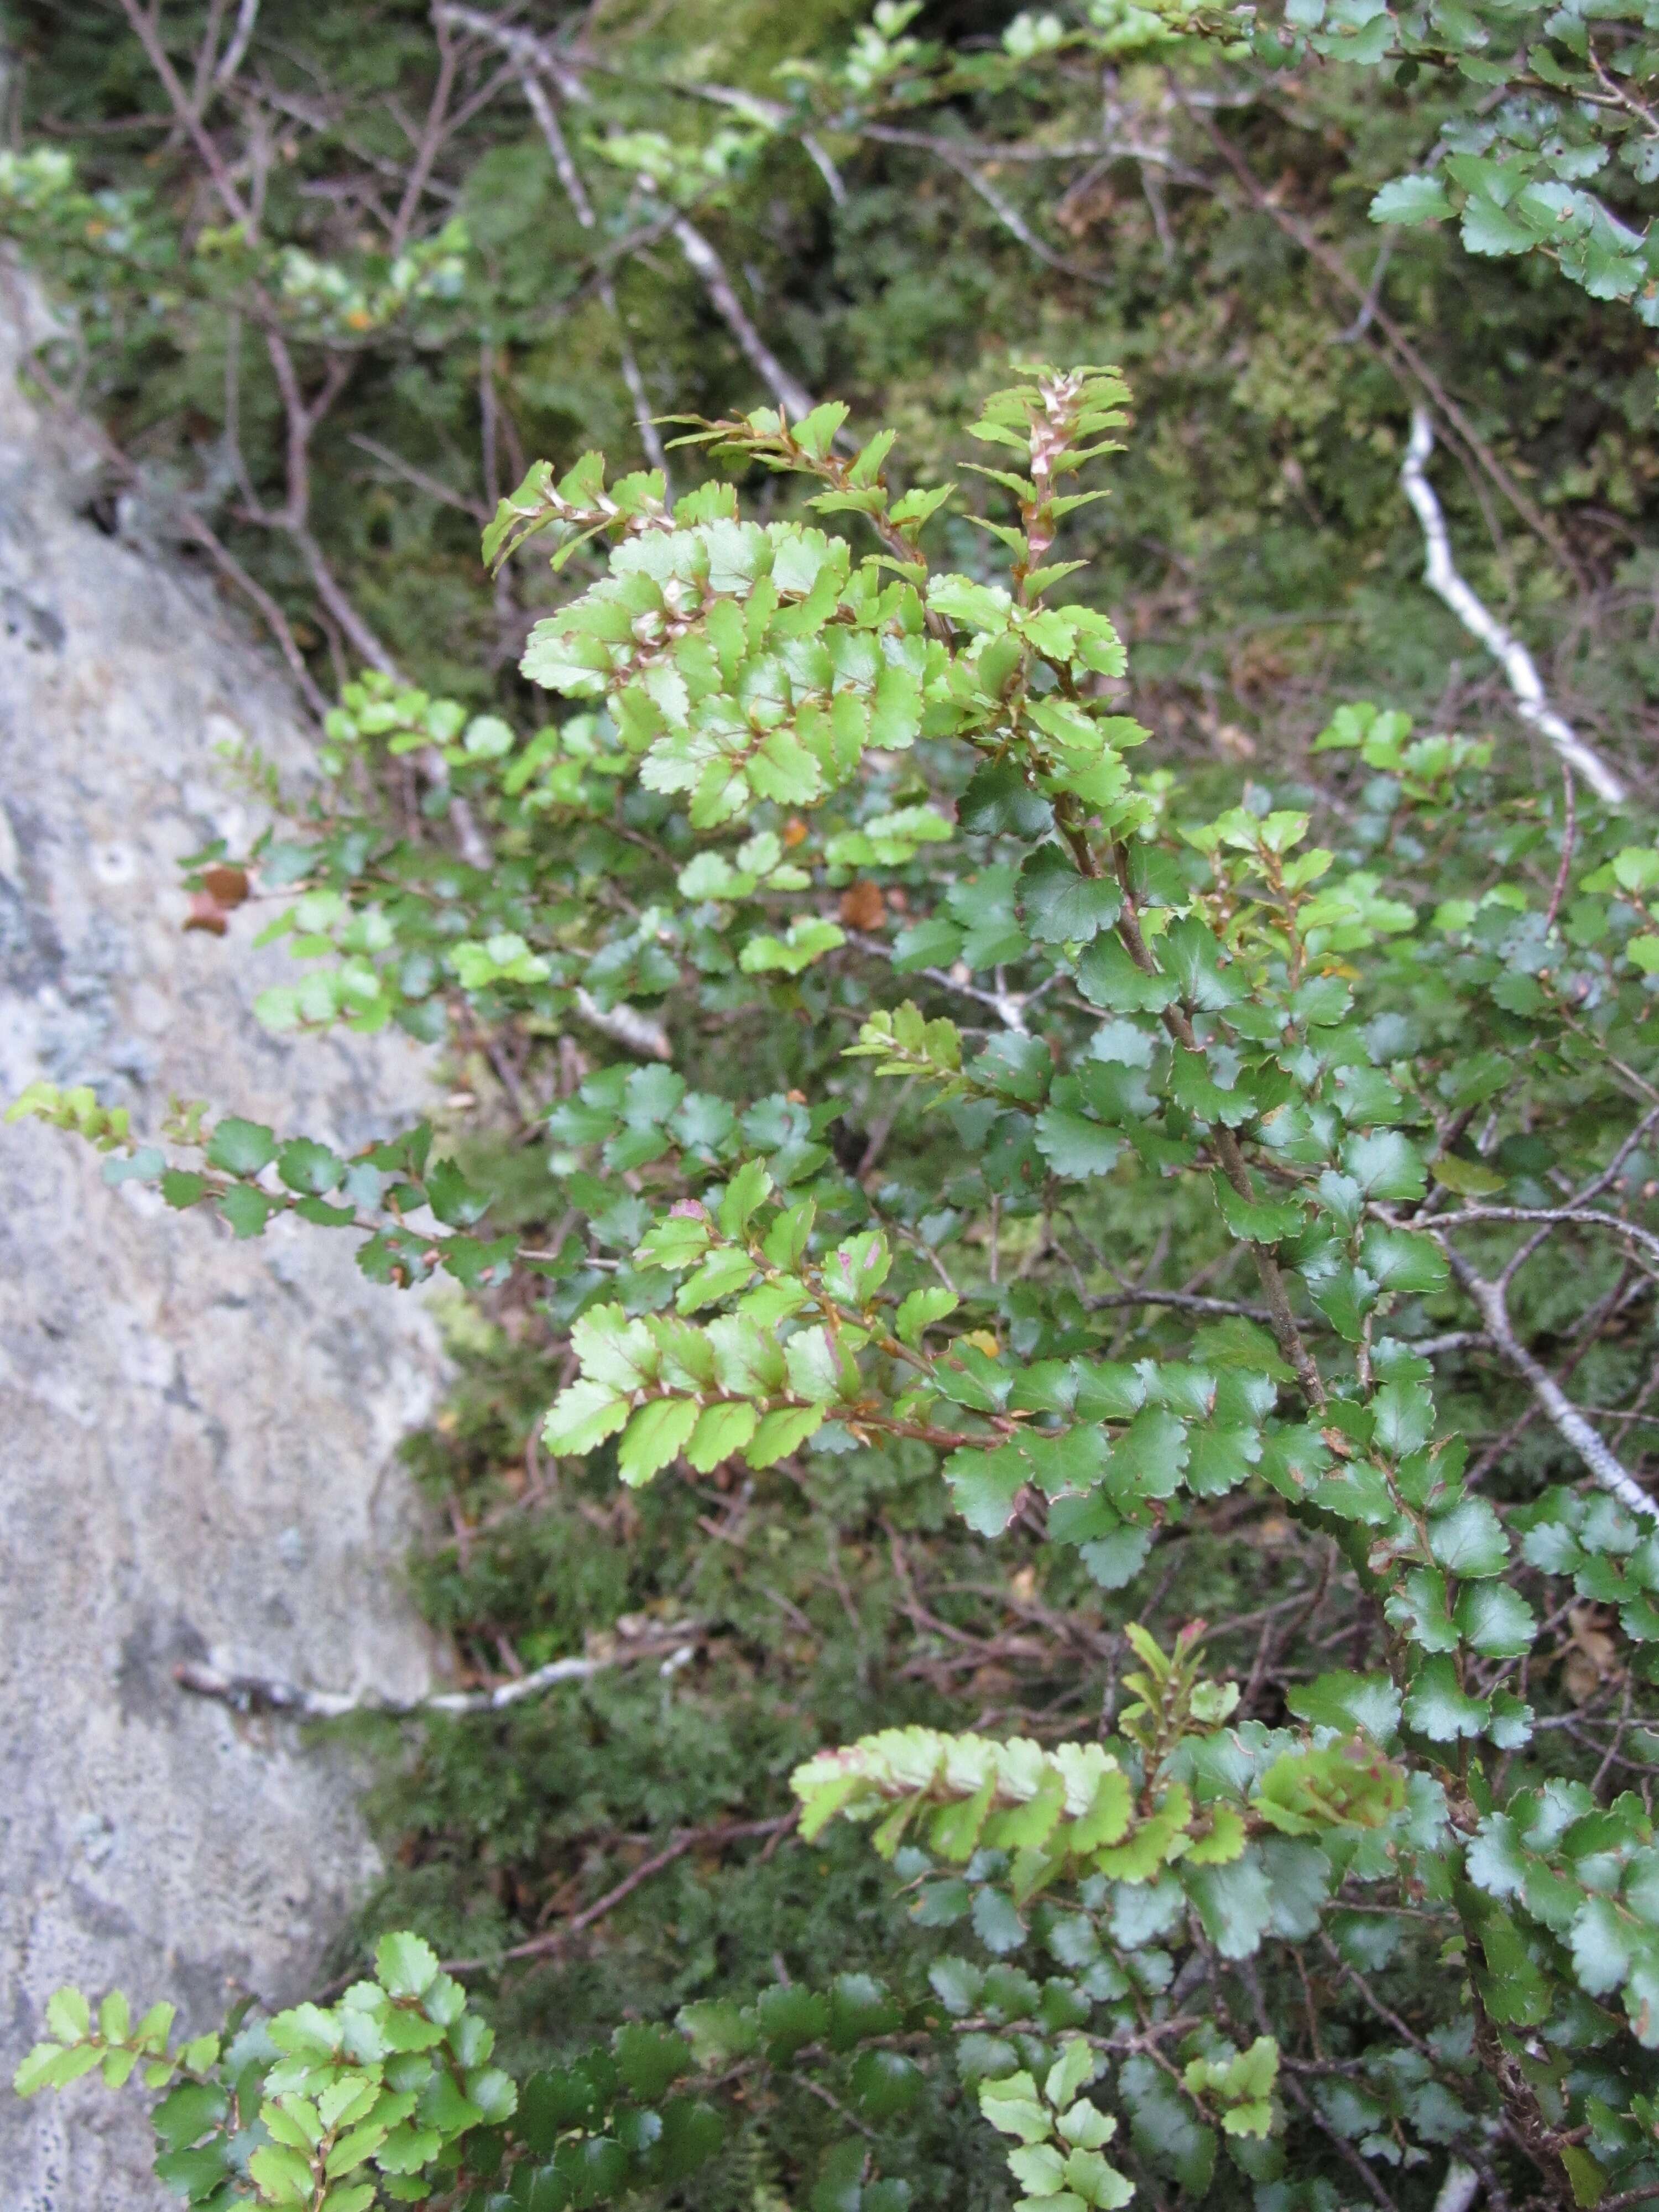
point(198, 1436)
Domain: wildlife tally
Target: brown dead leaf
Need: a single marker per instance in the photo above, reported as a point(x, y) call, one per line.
point(206, 913)
point(1590, 1654)
point(226, 884)
point(862, 906)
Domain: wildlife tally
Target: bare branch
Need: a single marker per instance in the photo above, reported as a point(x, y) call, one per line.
point(1362, 321)
point(1459, 2188)
point(356, 632)
point(420, 479)
point(1590, 1216)
point(276, 620)
point(1614, 1478)
point(532, 55)
point(252, 1693)
point(1187, 1302)
point(474, 845)
point(625, 1025)
point(532, 59)
point(146, 27)
point(433, 132)
point(644, 421)
point(247, 16)
point(692, 1839)
point(1009, 216)
point(777, 117)
point(1394, 346)
point(793, 399)
point(1609, 1174)
point(576, 192)
point(207, 54)
point(1520, 670)
point(825, 167)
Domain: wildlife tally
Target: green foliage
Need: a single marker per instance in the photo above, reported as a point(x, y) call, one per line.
point(960, 1182)
point(328, 2109)
point(759, 1301)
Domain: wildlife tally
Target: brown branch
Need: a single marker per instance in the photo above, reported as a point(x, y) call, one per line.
point(147, 26)
point(539, 1947)
point(575, 192)
point(358, 635)
point(791, 397)
point(247, 15)
point(1405, 357)
point(206, 54)
point(433, 134)
point(274, 620)
point(474, 845)
point(421, 482)
point(301, 415)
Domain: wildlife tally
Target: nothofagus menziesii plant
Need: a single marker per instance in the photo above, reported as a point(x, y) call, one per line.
point(1099, 1181)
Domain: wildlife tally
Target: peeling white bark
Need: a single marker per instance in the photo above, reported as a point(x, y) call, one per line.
point(1520, 670)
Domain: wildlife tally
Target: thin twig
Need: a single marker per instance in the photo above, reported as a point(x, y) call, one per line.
point(532, 59)
point(694, 1839)
point(792, 397)
point(1190, 1302)
point(433, 133)
point(575, 192)
point(1368, 306)
point(1395, 347)
point(147, 26)
point(231, 60)
point(1592, 1216)
point(421, 482)
point(274, 620)
point(1008, 216)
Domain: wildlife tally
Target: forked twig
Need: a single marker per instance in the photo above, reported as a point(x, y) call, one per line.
point(1604, 1465)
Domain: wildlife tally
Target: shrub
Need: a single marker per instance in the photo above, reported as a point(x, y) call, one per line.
point(1134, 1167)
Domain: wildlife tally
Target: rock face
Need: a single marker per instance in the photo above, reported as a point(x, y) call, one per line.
point(198, 1434)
